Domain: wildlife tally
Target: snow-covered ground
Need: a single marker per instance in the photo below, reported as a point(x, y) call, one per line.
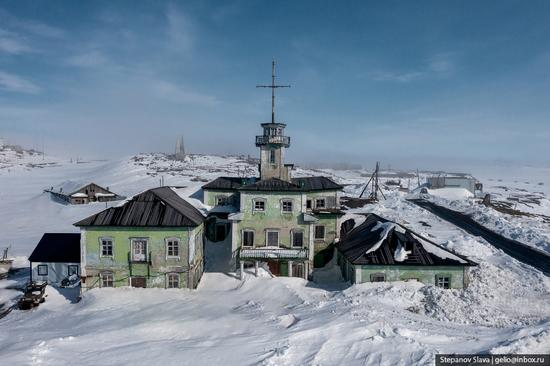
point(264, 320)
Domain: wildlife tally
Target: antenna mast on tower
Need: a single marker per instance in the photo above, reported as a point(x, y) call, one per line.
point(273, 86)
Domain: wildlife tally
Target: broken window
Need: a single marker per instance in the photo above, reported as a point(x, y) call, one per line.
point(221, 200)
point(139, 250)
point(308, 204)
point(287, 206)
point(248, 238)
point(297, 238)
point(172, 248)
point(42, 270)
point(173, 280)
point(106, 247)
point(107, 279)
point(259, 205)
point(73, 269)
point(320, 232)
point(272, 238)
point(377, 277)
point(443, 281)
point(320, 203)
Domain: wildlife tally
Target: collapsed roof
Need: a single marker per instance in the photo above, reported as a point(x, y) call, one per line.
point(378, 241)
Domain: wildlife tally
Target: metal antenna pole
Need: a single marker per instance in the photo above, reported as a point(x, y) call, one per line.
point(273, 86)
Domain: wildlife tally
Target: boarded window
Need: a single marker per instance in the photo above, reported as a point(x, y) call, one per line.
point(248, 238)
point(139, 250)
point(443, 281)
point(287, 206)
point(173, 280)
point(107, 279)
point(42, 270)
point(298, 239)
point(173, 248)
point(273, 238)
point(377, 277)
point(106, 247)
point(320, 203)
point(259, 205)
point(320, 232)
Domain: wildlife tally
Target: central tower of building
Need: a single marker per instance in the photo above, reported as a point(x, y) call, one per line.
point(273, 142)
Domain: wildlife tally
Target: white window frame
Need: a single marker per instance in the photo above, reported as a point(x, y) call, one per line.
point(146, 254)
point(253, 238)
point(293, 232)
point(176, 240)
point(267, 236)
point(378, 274)
point(257, 200)
point(443, 277)
point(315, 232)
point(287, 200)
point(102, 276)
point(170, 276)
point(42, 266)
point(101, 240)
point(323, 199)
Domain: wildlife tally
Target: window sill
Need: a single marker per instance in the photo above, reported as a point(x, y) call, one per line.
point(172, 257)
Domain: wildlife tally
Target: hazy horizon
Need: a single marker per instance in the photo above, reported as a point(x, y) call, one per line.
point(428, 85)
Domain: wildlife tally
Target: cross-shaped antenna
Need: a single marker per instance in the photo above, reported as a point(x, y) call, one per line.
point(273, 87)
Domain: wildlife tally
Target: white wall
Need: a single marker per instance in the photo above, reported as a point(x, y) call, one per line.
point(56, 272)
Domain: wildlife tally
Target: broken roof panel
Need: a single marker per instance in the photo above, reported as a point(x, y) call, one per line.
point(377, 240)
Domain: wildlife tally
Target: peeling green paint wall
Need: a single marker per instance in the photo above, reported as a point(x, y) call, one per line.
point(210, 197)
point(120, 265)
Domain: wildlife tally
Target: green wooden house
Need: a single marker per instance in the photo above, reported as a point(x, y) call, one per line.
point(380, 250)
point(154, 239)
point(289, 223)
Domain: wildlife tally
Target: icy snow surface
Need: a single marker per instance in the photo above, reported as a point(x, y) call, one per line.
point(264, 320)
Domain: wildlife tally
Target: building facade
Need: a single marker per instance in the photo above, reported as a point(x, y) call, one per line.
point(56, 257)
point(153, 240)
point(79, 195)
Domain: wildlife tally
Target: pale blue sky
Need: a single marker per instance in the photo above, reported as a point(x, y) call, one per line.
point(400, 81)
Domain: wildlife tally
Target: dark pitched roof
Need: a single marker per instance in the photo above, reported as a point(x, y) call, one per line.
point(316, 183)
point(304, 184)
point(155, 207)
point(57, 247)
point(355, 244)
point(229, 183)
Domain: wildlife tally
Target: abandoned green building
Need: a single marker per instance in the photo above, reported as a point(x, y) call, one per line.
point(154, 239)
point(379, 250)
point(288, 223)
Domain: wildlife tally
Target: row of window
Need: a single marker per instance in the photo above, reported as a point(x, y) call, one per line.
point(139, 248)
point(42, 269)
point(443, 281)
point(272, 237)
point(107, 279)
point(287, 204)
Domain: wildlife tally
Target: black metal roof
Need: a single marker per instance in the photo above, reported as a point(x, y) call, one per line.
point(303, 184)
point(57, 247)
point(355, 244)
point(155, 207)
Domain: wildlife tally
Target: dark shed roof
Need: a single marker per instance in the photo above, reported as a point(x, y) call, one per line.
point(355, 244)
point(57, 247)
point(304, 184)
point(155, 207)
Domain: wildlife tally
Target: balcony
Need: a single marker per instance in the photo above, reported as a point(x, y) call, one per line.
point(273, 253)
point(265, 140)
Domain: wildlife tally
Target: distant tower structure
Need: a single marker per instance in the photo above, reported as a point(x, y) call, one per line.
point(180, 150)
point(273, 142)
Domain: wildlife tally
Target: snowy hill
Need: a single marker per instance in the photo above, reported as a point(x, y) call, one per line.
point(264, 320)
